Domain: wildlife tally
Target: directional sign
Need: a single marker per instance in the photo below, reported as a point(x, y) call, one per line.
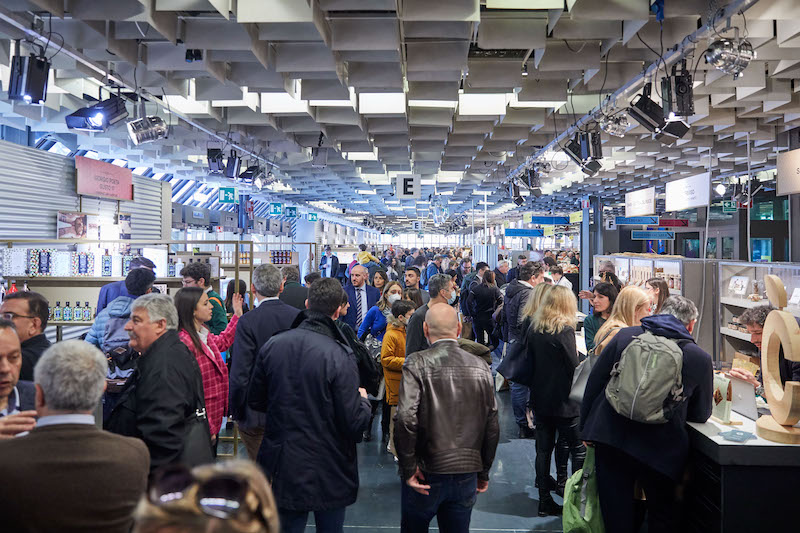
point(673, 222)
point(512, 232)
point(290, 212)
point(416, 225)
point(636, 221)
point(729, 206)
point(576, 217)
point(652, 235)
point(275, 208)
point(548, 221)
point(549, 231)
point(227, 195)
point(312, 217)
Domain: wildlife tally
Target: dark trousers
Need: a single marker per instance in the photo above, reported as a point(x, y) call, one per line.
point(450, 499)
point(331, 521)
point(546, 429)
point(617, 473)
point(520, 395)
point(483, 327)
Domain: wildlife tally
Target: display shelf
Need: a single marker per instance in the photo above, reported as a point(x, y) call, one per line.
point(636, 269)
point(676, 292)
point(728, 332)
point(62, 323)
point(86, 279)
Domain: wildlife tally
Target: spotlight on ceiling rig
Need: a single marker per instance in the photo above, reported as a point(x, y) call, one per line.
point(513, 189)
point(98, 117)
point(615, 125)
point(234, 165)
point(651, 115)
point(216, 161)
point(730, 56)
point(585, 150)
point(147, 130)
point(677, 93)
point(28, 78)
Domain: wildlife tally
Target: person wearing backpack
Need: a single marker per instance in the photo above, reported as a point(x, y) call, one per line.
point(652, 453)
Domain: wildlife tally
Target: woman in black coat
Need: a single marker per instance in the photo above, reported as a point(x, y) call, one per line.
point(485, 298)
point(551, 345)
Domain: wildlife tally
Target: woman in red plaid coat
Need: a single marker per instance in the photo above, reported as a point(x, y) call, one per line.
point(194, 309)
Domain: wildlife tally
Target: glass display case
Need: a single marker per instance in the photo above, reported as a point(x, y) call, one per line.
point(741, 287)
point(636, 269)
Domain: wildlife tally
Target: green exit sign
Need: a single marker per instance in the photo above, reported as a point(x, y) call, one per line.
point(227, 195)
point(312, 217)
point(291, 212)
point(275, 208)
point(729, 206)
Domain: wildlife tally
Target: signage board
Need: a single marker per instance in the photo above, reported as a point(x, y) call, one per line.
point(227, 195)
point(312, 217)
point(729, 206)
point(416, 225)
point(548, 221)
point(290, 212)
point(549, 231)
point(788, 176)
point(576, 217)
point(640, 203)
point(103, 180)
point(408, 186)
point(673, 222)
point(611, 224)
point(522, 232)
point(275, 208)
point(688, 192)
point(635, 221)
point(652, 235)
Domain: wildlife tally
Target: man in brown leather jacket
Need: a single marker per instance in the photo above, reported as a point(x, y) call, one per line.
point(446, 428)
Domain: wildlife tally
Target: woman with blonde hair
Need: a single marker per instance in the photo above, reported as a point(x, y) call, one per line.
point(631, 306)
point(551, 345)
point(534, 300)
point(226, 497)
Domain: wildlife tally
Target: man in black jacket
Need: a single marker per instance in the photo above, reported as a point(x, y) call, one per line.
point(654, 455)
point(306, 381)
point(329, 265)
point(293, 293)
point(445, 435)
point(166, 389)
point(29, 312)
point(254, 329)
point(442, 290)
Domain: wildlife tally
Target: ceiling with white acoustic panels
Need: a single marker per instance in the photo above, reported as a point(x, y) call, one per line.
point(462, 92)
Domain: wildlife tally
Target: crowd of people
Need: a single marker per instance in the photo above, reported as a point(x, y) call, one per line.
point(415, 335)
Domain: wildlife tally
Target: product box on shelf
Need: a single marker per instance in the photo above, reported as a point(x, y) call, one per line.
point(39, 261)
point(82, 264)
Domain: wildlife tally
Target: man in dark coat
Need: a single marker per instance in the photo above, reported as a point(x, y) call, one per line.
point(329, 265)
point(652, 455)
point(358, 291)
point(29, 312)
point(253, 331)
point(293, 293)
point(306, 381)
point(17, 398)
point(164, 392)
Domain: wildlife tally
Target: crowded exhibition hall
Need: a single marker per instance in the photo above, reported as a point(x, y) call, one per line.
point(399, 266)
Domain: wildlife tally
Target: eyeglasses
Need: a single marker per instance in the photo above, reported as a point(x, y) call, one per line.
point(9, 315)
point(222, 496)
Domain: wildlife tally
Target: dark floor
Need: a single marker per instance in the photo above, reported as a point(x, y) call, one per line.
point(510, 504)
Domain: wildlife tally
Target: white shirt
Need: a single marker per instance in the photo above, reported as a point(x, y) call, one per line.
point(364, 306)
point(564, 282)
point(326, 268)
point(52, 420)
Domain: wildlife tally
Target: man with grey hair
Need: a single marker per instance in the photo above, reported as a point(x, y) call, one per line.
point(442, 290)
point(500, 273)
point(652, 455)
point(165, 391)
point(254, 329)
point(67, 474)
point(293, 293)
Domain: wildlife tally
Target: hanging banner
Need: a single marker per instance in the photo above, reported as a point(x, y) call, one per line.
point(673, 222)
point(549, 231)
point(688, 192)
point(408, 186)
point(576, 217)
point(548, 221)
point(522, 232)
point(103, 180)
point(636, 221)
point(654, 235)
point(640, 203)
point(788, 176)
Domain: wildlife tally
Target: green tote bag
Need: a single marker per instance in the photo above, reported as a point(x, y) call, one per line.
point(581, 502)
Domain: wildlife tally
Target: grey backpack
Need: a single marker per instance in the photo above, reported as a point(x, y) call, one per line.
point(646, 383)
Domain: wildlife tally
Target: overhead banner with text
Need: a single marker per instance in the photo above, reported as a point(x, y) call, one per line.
point(640, 203)
point(788, 177)
point(408, 186)
point(103, 180)
point(688, 193)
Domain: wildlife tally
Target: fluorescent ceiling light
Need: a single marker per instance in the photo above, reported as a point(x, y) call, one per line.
point(395, 208)
point(381, 103)
point(482, 104)
point(427, 182)
point(365, 191)
point(282, 103)
point(455, 202)
point(433, 103)
point(445, 193)
point(361, 201)
point(391, 201)
point(361, 156)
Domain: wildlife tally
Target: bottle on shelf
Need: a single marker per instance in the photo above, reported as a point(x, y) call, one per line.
point(77, 312)
point(87, 313)
point(171, 269)
point(25, 286)
point(66, 313)
point(57, 315)
point(106, 265)
point(13, 288)
point(178, 267)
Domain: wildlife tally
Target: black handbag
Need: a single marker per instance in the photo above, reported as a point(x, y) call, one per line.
point(517, 365)
point(197, 448)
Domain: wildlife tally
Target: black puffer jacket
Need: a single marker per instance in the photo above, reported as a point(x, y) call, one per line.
point(306, 381)
point(161, 395)
point(516, 297)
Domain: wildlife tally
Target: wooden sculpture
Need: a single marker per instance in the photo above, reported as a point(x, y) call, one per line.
point(780, 330)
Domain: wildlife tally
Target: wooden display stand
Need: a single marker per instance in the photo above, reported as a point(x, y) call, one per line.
point(780, 330)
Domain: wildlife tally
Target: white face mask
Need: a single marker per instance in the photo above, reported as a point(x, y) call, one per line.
point(453, 296)
point(392, 298)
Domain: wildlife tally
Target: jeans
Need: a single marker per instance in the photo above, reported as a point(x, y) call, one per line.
point(497, 356)
point(617, 473)
point(331, 521)
point(546, 428)
point(450, 499)
point(520, 394)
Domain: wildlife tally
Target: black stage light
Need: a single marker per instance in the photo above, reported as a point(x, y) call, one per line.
point(28, 79)
point(98, 117)
point(249, 173)
point(646, 112)
point(573, 150)
point(147, 129)
point(591, 146)
point(215, 160)
point(677, 93)
point(193, 54)
point(537, 192)
point(233, 166)
point(591, 167)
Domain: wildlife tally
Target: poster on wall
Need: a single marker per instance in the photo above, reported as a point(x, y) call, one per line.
point(73, 225)
point(103, 180)
point(640, 203)
point(125, 230)
point(689, 192)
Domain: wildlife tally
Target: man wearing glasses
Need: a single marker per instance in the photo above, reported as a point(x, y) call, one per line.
point(29, 312)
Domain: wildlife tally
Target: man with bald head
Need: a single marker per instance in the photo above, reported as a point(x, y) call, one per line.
point(446, 428)
point(360, 295)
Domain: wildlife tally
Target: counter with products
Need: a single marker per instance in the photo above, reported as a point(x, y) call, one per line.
point(739, 486)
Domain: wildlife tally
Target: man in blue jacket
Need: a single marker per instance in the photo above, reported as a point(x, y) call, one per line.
point(435, 267)
point(654, 455)
point(360, 295)
point(110, 291)
point(306, 381)
point(138, 282)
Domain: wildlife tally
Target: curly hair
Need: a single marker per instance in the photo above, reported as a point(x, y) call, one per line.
point(755, 316)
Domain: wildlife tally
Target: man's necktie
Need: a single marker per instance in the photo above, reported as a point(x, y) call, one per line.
point(359, 315)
